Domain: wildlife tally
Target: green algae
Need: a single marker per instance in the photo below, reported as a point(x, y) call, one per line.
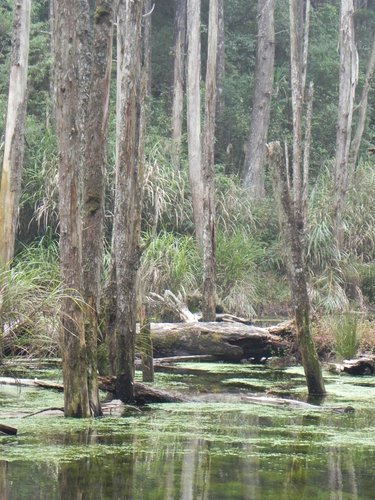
point(217, 441)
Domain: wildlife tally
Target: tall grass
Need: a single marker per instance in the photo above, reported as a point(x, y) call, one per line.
point(31, 294)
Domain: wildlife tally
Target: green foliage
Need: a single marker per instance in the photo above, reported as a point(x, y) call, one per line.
point(346, 337)
point(237, 256)
point(31, 294)
point(171, 262)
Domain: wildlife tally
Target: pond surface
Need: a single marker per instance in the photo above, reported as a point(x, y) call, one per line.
point(218, 446)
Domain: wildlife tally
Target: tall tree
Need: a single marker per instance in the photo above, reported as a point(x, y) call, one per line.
point(96, 125)
point(11, 171)
point(299, 34)
point(220, 58)
point(70, 29)
point(129, 189)
point(178, 79)
point(209, 282)
point(260, 116)
point(347, 86)
point(194, 112)
point(293, 238)
point(362, 112)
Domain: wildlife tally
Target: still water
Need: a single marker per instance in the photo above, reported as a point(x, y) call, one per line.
point(216, 446)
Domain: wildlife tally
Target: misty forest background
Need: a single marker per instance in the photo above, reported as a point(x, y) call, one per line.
point(250, 256)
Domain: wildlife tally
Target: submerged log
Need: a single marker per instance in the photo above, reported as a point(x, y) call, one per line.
point(6, 429)
point(143, 393)
point(224, 341)
point(360, 366)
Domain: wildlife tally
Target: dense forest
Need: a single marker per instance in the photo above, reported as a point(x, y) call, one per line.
point(224, 151)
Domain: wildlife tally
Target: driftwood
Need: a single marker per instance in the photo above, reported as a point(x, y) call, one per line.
point(143, 393)
point(360, 366)
point(6, 429)
point(224, 341)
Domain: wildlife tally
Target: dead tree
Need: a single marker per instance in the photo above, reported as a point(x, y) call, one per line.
point(291, 230)
point(347, 86)
point(11, 171)
point(261, 112)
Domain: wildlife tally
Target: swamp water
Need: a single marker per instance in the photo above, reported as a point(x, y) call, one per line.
point(217, 446)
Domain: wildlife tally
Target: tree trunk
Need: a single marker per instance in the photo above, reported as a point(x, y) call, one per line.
point(194, 113)
point(146, 346)
point(306, 152)
point(299, 29)
point(68, 31)
point(260, 116)
point(93, 185)
point(347, 87)
point(178, 79)
point(129, 179)
point(362, 113)
point(224, 341)
point(220, 73)
point(209, 280)
point(296, 273)
point(11, 171)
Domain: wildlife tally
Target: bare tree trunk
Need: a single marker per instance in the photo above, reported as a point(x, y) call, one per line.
point(147, 32)
point(11, 171)
point(209, 280)
point(220, 73)
point(129, 189)
point(299, 30)
point(194, 113)
point(68, 33)
point(362, 112)
point(306, 152)
point(347, 87)
point(178, 79)
point(260, 116)
point(296, 273)
point(96, 126)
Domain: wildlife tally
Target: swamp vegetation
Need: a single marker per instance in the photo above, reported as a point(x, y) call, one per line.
point(215, 445)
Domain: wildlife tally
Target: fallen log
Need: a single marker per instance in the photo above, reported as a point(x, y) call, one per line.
point(360, 366)
point(143, 393)
point(224, 341)
point(8, 430)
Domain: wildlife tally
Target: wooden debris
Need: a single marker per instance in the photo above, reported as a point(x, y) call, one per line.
point(224, 341)
point(8, 430)
point(361, 366)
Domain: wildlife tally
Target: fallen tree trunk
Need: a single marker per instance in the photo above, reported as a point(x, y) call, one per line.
point(6, 429)
point(224, 341)
point(143, 394)
point(360, 366)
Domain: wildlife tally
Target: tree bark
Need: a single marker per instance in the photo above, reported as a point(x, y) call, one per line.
point(194, 113)
point(178, 79)
point(224, 341)
point(96, 126)
point(296, 273)
point(260, 116)
point(306, 152)
point(347, 87)
point(129, 189)
point(11, 171)
point(362, 112)
point(209, 278)
point(220, 73)
point(69, 30)
point(299, 30)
